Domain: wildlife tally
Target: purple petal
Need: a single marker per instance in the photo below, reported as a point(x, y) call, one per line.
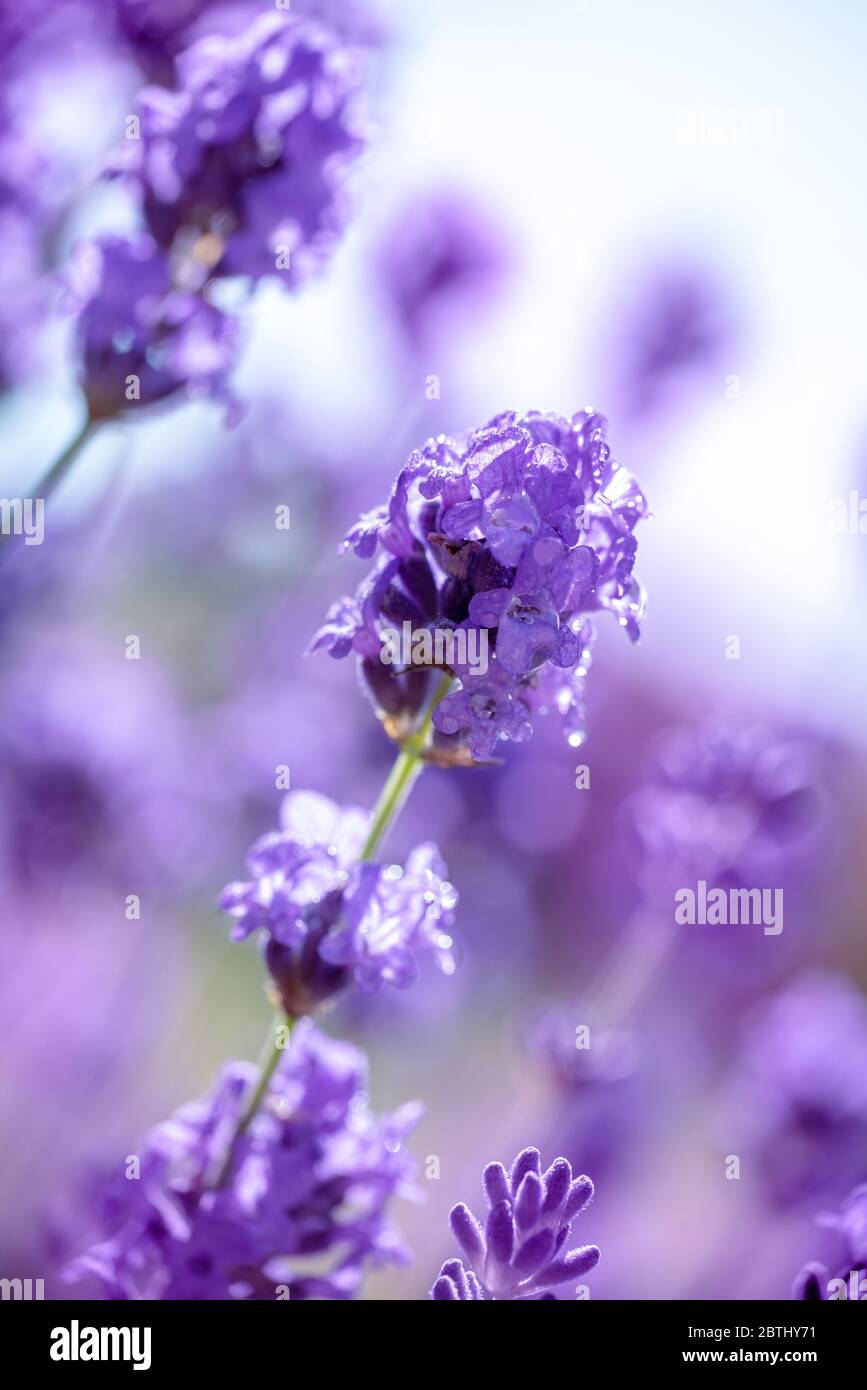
point(496, 1182)
point(571, 1266)
point(528, 1161)
point(467, 1232)
point(528, 1203)
point(500, 1233)
point(557, 1181)
point(535, 1252)
point(444, 1290)
point(487, 608)
point(454, 1270)
point(580, 1196)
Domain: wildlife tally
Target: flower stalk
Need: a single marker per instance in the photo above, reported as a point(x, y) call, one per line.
point(408, 764)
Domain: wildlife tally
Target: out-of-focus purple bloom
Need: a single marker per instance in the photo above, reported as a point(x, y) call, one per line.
point(734, 805)
point(502, 542)
point(157, 29)
point(576, 1057)
point(848, 1277)
point(798, 1101)
point(439, 265)
point(75, 968)
point(520, 1252)
point(142, 339)
point(329, 919)
point(676, 327)
point(97, 786)
point(241, 169)
point(311, 1176)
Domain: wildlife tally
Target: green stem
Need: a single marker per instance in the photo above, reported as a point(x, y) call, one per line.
point(61, 466)
point(400, 781)
point(407, 766)
point(275, 1043)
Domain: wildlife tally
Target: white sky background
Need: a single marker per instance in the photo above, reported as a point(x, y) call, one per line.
point(565, 116)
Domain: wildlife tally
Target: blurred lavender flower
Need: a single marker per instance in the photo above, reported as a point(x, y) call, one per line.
point(732, 804)
point(311, 1176)
point(142, 340)
point(104, 989)
point(554, 1038)
point(676, 328)
point(799, 1094)
point(157, 29)
point(439, 265)
point(848, 1277)
point(519, 1252)
point(240, 171)
point(329, 919)
point(597, 1105)
point(97, 786)
point(508, 537)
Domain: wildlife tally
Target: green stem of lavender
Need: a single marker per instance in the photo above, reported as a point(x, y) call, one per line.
point(275, 1043)
point(61, 466)
point(408, 764)
point(400, 781)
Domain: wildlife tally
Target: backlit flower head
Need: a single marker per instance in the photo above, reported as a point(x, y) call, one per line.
point(240, 169)
point(493, 551)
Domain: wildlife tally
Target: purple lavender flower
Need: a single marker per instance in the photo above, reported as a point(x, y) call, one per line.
point(310, 1178)
point(240, 171)
point(501, 543)
point(677, 329)
point(519, 1253)
point(799, 1095)
point(732, 804)
point(328, 919)
point(552, 1037)
point(98, 786)
point(439, 264)
point(142, 339)
point(847, 1278)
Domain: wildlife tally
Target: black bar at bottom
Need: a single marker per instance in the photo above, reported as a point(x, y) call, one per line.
point(71, 1338)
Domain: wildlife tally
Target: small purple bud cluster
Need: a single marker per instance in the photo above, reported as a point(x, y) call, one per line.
point(519, 1253)
point(509, 537)
point(328, 919)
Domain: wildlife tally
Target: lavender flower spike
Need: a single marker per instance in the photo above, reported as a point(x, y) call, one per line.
point(493, 552)
point(302, 1212)
point(518, 1253)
